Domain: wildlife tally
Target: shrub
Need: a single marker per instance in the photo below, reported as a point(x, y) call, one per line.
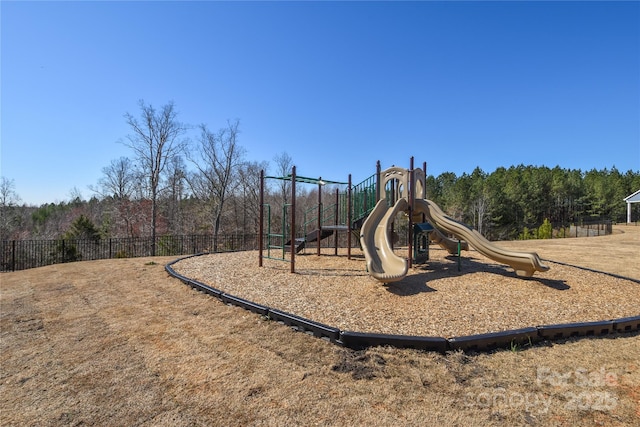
point(526, 234)
point(121, 254)
point(545, 231)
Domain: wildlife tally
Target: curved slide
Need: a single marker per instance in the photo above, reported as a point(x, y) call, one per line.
point(524, 263)
point(446, 243)
point(375, 238)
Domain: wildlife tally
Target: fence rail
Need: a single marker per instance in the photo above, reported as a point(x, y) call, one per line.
point(23, 254)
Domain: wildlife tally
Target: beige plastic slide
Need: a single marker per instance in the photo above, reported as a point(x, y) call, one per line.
point(524, 263)
point(436, 236)
point(446, 243)
point(375, 238)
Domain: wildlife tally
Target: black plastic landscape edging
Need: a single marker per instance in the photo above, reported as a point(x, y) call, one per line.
point(246, 304)
point(493, 340)
point(305, 325)
point(193, 283)
point(570, 330)
point(627, 324)
point(510, 339)
point(361, 340)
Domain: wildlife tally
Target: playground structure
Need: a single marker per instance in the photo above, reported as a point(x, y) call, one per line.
point(324, 222)
point(373, 207)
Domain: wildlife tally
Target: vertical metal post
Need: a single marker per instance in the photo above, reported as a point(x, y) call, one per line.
point(424, 187)
point(411, 190)
point(335, 222)
point(293, 219)
point(391, 200)
point(349, 218)
point(378, 170)
point(319, 215)
point(424, 196)
point(261, 219)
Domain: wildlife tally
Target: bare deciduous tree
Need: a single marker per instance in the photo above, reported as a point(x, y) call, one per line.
point(249, 183)
point(284, 163)
point(156, 139)
point(118, 179)
point(175, 192)
point(480, 211)
point(9, 199)
point(216, 158)
point(119, 184)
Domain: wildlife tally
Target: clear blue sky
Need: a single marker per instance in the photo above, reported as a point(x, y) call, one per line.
point(336, 85)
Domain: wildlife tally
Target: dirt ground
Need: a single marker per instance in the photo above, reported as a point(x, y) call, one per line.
point(119, 342)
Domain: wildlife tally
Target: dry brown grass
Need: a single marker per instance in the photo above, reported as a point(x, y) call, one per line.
point(119, 342)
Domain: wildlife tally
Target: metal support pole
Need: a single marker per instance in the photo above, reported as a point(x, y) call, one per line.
point(336, 222)
point(349, 218)
point(424, 196)
point(424, 187)
point(293, 219)
point(261, 220)
point(411, 190)
point(319, 215)
point(378, 189)
point(391, 201)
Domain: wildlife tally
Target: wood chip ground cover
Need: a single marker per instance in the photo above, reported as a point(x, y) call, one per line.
point(434, 300)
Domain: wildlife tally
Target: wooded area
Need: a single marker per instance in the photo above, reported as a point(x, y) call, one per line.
point(154, 193)
point(508, 201)
point(500, 205)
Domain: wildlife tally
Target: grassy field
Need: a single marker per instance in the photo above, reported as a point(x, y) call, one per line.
point(119, 342)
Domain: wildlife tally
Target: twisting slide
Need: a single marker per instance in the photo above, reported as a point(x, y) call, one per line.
point(524, 263)
point(384, 265)
point(450, 245)
point(376, 239)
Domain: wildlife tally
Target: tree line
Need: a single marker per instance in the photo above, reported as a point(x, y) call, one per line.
point(503, 203)
point(173, 185)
